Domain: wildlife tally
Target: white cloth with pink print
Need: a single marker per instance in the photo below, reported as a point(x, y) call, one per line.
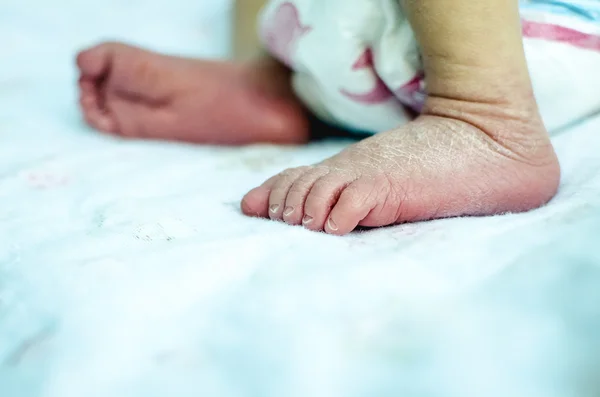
point(357, 65)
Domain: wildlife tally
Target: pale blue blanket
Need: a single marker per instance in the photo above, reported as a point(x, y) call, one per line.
point(126, 269)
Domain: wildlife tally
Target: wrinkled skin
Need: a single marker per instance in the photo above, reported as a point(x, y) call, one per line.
point(436, 166)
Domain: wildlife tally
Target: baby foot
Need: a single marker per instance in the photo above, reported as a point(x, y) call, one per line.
point(135, 93)
point(452, 161)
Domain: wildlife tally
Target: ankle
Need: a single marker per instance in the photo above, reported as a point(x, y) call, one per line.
point(269, 84)
point(515, 126)
point(516, 138)
point(506, 83)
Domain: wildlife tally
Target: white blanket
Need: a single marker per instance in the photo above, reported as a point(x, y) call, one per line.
point(126, 268)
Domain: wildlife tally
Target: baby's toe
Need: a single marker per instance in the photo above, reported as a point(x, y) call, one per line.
point(280, 191)
point(322, 197)
point(355, 203)
point(294, 203)
point(256, 201)
point(95, 62)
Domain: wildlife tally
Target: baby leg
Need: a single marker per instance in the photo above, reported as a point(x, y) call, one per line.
point(136, 93)
point(478, 148)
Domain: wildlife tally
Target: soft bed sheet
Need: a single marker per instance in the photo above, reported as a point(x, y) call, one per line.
point(126, 268)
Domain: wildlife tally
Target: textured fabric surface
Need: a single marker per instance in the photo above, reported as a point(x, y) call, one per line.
point(126, 268)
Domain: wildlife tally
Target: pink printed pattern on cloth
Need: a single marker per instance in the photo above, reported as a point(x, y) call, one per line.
point(561, 34)
point(411, 94)
point(379, 93)
point(284, 28)
point(282, 32)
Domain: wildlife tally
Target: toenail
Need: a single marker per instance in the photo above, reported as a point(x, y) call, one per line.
point(274, 208)
point(288, 211)
point(307, 219)
point(331, 224)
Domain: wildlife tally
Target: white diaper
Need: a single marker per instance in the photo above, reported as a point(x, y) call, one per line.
point(356, 62)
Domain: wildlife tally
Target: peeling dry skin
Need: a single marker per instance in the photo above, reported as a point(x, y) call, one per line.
point(434, 167)
point(473, 151)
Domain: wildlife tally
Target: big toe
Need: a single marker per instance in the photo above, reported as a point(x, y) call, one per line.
point(256, 202)
point(94, 62)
